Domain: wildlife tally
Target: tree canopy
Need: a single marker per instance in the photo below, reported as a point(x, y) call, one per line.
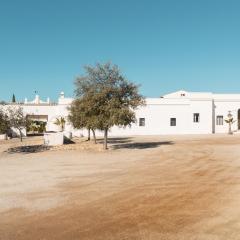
point(4, 123)
point(17, 119)
point(13, 98)
point(105, 98)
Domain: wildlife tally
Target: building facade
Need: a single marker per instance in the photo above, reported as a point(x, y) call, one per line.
point(180, 112)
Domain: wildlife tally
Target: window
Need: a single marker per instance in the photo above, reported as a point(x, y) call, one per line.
point(173, 122)
point(141, 122)
point(219, 120)
point(196, 117)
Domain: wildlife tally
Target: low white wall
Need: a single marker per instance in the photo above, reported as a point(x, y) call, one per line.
point(15, 132)
point(3, 136)
point(54, 139)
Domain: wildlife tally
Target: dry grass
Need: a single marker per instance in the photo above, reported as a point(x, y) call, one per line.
point(185, 187)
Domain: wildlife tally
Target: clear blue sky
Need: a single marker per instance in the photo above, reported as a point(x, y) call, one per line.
point(164, 45)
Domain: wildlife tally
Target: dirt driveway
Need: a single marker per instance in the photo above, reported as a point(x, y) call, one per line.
point(147, 188)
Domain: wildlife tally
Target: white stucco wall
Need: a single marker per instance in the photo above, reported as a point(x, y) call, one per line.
point(222, 108)
point(204, 107)
point(157, 113)
point(157, 119)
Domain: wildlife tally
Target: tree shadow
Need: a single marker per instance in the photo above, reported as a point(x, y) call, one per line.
point(28, 149)
point(141, 145)
point(35, 134)
point(117, 140)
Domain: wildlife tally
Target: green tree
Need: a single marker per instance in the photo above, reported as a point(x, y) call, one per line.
point(82, 115)
point(17, 119)
point(13, 98)
point(109, 97)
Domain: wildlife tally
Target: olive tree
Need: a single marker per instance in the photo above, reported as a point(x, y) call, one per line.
point(4, 122)
point(83, 115)
point(17, 119)
point(110, 99)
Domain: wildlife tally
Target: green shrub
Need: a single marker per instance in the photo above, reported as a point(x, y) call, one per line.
point(4, 123)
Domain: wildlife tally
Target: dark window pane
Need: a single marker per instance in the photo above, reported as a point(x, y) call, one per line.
point(173, 122)
point(141, 122)
point(196, 117)
point(219, 120)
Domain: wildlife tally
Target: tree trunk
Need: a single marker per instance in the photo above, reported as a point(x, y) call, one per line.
point(89, 137)
point(105, 139)
point(230, 128)
point(94, 136)
point(20, 133)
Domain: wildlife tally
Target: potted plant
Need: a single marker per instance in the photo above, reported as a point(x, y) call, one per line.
point(230, 122)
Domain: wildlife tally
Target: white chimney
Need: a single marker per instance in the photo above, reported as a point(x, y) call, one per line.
point(62, 95)
point(37, 99)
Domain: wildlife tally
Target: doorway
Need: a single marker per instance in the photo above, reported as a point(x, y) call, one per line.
point(36, 124)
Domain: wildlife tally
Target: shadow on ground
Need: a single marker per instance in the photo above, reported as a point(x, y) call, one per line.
point(118, 140)
point(141, 145)
point(114, 143)
point(126, 142)
point(28, 149)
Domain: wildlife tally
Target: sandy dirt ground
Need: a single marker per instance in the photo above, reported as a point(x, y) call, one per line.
point(147, 188)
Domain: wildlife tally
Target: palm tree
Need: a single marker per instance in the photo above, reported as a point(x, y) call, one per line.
point(60, 122)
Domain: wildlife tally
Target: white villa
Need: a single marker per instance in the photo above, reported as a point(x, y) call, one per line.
point(180, 112)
